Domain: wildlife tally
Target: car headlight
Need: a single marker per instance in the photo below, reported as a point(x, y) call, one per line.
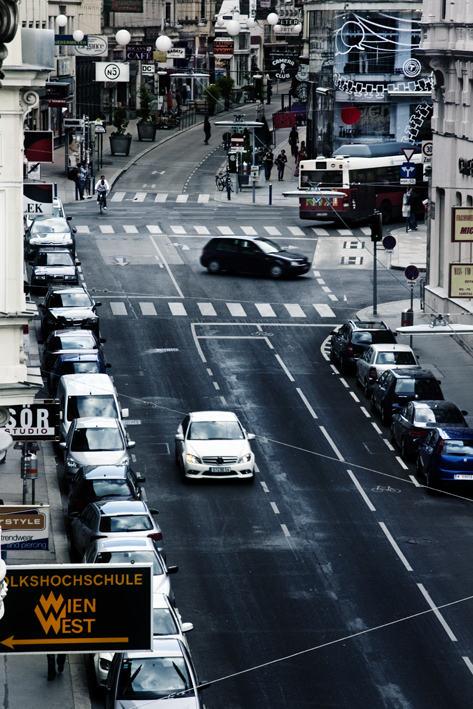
point(71, 463)
point(193, 459)
point(245, 458)
point(35, 240)
point(104, 664)
point(69, 278)
point(39, 278)
point(295, 263)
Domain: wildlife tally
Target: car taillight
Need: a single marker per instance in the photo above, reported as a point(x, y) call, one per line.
point(373, 373)
point(350, 348)
point(440, 446)
point(419, 432)
point(156, 536)
point(203, 252)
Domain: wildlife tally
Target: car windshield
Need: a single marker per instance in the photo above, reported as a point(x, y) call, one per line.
point(130, 557)
point(269, 247)
point(70, 300)
point(163, 622)
point(125, 523)
point(55, 226)
point(152, 678)
point(460, 448)
point(79, 368)
point(54, 259)
point(395, 358)
point(417, 386)
point(376, 337)
point(81, 342)
point(102, 405)
point(215, 430)
point(106, 488)
point(96, 439)
point(438, 415)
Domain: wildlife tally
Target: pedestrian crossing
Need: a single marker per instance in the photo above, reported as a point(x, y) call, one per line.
point(159, 197)
point(191, 308)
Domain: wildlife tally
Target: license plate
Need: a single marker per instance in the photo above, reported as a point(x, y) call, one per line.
point(220, 470)
point(463, 477)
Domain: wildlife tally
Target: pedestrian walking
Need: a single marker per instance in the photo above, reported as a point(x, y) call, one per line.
point(293, 142)
point(206, 130)
point(61, 661)
point(83, 174)
point(268, 164)
point(413, 201)
point(281, 161)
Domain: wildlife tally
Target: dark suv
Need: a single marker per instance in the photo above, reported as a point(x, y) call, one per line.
point(396, 387)
point(351, 340)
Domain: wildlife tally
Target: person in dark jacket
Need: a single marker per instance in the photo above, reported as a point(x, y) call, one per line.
point(413, 202)
point(61, 661)
point(206, 130)
point(281, 161)
point(293, 141)
point(268, 164)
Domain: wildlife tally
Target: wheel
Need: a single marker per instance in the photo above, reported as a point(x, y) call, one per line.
point(366, 390)
point(220, 182)
point(386, 211)
point(332, 355)
point(385, 417)
point(214, 267)
point(372, 406)
point(343, 365)
point(403, 449)
point(419, 471)
point(276, 271)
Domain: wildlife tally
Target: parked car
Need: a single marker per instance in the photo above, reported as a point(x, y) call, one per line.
point(123, 550)
point(162, 678)
point(378, 358)
point(68, 307)
point(65, 364)
point(114, 518)
point(396, 387)
point(214, 444)
point(252, 255)
point(99, 482)
point(415, 421)
point(53, 265)
point(167, 623)
point(95, 441)
point(446, 456)
point(350, 341)
point(71, 341)
point(58, 211)
point(49, 231)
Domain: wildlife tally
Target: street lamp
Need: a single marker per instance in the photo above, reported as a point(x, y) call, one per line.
point(78, 35)
point(251, 22)
point(272, 18)
point(233, 28)
point(123, 37)
point(61, 20)
point(163, 43)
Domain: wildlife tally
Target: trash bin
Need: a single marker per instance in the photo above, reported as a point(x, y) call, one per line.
point(407, 318)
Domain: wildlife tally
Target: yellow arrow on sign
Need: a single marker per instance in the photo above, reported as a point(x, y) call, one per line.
point(11, 642)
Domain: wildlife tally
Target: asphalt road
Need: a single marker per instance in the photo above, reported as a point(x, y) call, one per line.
point(314, 586)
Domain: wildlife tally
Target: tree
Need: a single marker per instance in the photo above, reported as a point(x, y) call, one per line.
point(120, 121)
point(226, 84)
point(146, 97)
point(212, 94)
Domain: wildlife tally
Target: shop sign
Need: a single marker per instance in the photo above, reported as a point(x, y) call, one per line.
point(159, 57)
point(139, 52)
point(461, 280)
point(179, 52)
point(123, 6)
point(39, 421)
point(112, 71)
point(97, 46)
point(223, 47)
point(68, 40)
point(462, 223)
point(284, 67)
point(25, 527)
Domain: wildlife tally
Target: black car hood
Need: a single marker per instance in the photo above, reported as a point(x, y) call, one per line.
point(288, 256)
point(73, 314)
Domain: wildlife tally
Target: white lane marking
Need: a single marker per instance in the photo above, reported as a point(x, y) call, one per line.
point(177, 229)
point(334, 369)
point(153, 186)
point(294, 310)
point(140, 197)
point(256, 469)
point(291, 378)
point(264, 486)
point(248, 230)
point(83, 229)
point(325, 311)
point(468, 663)
point(285, 530)
point(216, 385)
point(395, 546)
point(223, 400)
point(362, 492)
point(225, 230)
point(272, 231)
point(401, 462)
point(202, 230)
point(118, 196)
point(203, 198)
point(177, 308)
point(236, 310)
point(106, 229)
point(118, 308)
point(437, 613)
point(317, 274)
point(354, 396)
point(148, 309)
point(345, 383)
point(366, 413)
point(161, 197)
point(332, 296)
point(332, 444)
point(311, 410)
point(206, 308)
point(153, 229)
point(130, 229)
point(326, 289)
point(346, 232)
point(377, 428)
point(182, 198)
point(415, 481)
point(391, 448)
point(166, 265)
point(296, 231)
point(265, 310)
point(275, 508)
point(320, 232)
point(321, 281)
point(209, 372)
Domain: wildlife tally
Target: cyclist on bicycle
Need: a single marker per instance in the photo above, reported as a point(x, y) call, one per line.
point(102, 188)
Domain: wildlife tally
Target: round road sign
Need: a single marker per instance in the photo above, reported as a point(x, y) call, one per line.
point(389, 242)
point(411, 273)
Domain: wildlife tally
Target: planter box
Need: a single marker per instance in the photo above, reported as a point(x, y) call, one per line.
point(120, 144)
point(147, 132)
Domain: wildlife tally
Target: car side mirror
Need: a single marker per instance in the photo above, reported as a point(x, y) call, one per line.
point(62, 444)
point(97, 305)
point(125, 413)
point(334, 332)
point(140, 478)
point(395, 334)
point(40, 342)
point(438, 381)
point(204, 685)
point(68, 219)
point(251, 436)
point(41, 305)
point(102, 340)
point(465, 413)
point(78, 263)
point(73, 515)
point(186, 627)
point(74, 230)
point(179, 437)
point(173, 569)
point(61, 416)
point(153, 511)
point(131, 444)
point(108, 366)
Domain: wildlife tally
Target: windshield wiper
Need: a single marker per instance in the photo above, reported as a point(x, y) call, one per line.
point(132, 678)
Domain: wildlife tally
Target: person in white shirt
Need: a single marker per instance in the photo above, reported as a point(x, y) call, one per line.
point(102, 188)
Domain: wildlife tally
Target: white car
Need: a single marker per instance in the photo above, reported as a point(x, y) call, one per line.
point(214, 445)
point(378, 358)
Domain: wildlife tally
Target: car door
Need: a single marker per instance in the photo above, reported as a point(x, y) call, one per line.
point(226, 252)
point(426, 449)
point(251, 258)
point(402, 422)
point(82, 529)
point(112, 681)
point(379, 390)
point(363, 366)
point(339, 340)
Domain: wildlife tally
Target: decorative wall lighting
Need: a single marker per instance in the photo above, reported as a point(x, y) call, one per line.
point(163, 43)
point(123, 37)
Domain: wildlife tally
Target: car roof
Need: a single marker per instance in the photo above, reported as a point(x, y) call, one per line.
point(67, 289)
point(118, 543)
point(456, 433)
point(213, 416)
point(413, 373)
point(93, 472)
point(120, 507)
point(83, 384)
point(391, 347)
point(434, 404)
point(97, 422)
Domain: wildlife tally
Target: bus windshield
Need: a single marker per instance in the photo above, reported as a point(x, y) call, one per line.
point(314, 178)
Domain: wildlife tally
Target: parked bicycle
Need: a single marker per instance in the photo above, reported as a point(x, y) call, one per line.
point(223, 180)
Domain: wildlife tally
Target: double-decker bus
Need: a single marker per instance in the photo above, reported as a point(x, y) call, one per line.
point(369, 175)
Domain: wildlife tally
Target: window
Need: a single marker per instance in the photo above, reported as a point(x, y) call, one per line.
point(125, 523)
point(102, 405)
point(215, 431)
point(153, 677)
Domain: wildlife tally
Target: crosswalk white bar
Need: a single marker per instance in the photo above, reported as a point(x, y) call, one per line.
point(203, 198)
point(320, 232)
point(130, 229)
point(296, 231)
point(106, 229)
point(118, 196)
point(366, 230)
point(202, 230)
point(272, 231)
point(140, 197)
point(332, 296)
point(294, 310)
point(83, 229)
point(178, 229)
point(182, 198)
point(148, 309)
point(345, 232)
point(265, 310)
point(236, 310)
point(118, 308)
point(161, 197)
point(206, 308)
point(153, 229)
point(325, 311)
point(177, 308)
point(248, 230)
point(225, 230)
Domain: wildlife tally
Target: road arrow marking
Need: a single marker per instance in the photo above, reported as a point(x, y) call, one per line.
point(11, 642)
point(121, 261)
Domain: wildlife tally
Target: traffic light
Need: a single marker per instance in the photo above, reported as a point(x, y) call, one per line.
point(258, 85)
point(376, 226)
point(164, 83)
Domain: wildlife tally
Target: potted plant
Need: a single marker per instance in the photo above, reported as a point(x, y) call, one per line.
point(120, 140)
point(226, 84)
point(211, 95)
point(146, 125)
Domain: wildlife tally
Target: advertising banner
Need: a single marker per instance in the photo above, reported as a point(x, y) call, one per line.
point(97, 46)
point(38, 199)
point(25, 527)
point(223, 47)
point(462, 223)
point(68, 40)
point(123, 5)
point(461, 280)
point(38, 145)
point(112, 71)
point(35, 422)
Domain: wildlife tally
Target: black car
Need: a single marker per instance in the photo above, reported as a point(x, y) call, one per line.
point(100, 482)
point(91, 363)
point(252, 255)
point(414, 422)
point(350, 341)
point(68, 307)
point(49, 231)
point(53, 265)
point(71, 341)
point(396, 387)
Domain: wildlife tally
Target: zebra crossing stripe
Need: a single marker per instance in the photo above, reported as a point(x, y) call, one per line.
point(202, 230)
point(83, 229)
point(178, 229)
point(203, 198)
point(345, 232)
point(366, 230)
point(161, 197)
point(296, 231)
point(182, 198)
point(236, 310)
point(140, 197)
point(225, 230)
point(320, 232)
point(148, 309)
point(325, 311)
point(207, 309)
point(332, 296)
point(177, 308)
point(272, 231)
point(130, 229)
point(118, 308)
point(294, 310)
point(248, 230)
point(106, 229)
point(118, 196)
point(153, 229)
point(265, 310)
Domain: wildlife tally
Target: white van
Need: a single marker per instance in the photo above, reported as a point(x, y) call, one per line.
point(81, 395)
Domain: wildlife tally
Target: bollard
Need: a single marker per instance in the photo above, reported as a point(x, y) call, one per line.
point(270, 194)
point(229, 189)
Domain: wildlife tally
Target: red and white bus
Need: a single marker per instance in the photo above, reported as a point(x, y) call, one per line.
point(370, 181)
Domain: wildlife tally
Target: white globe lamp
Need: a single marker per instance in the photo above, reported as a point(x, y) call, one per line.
point(123, 37)
point(61, 20)
point(250, 23)
point(272, 18)
point(163, 43)
point(220, 21)
point(78, 35)
point(298, 27)
point(277, 28)
point(233, 28)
